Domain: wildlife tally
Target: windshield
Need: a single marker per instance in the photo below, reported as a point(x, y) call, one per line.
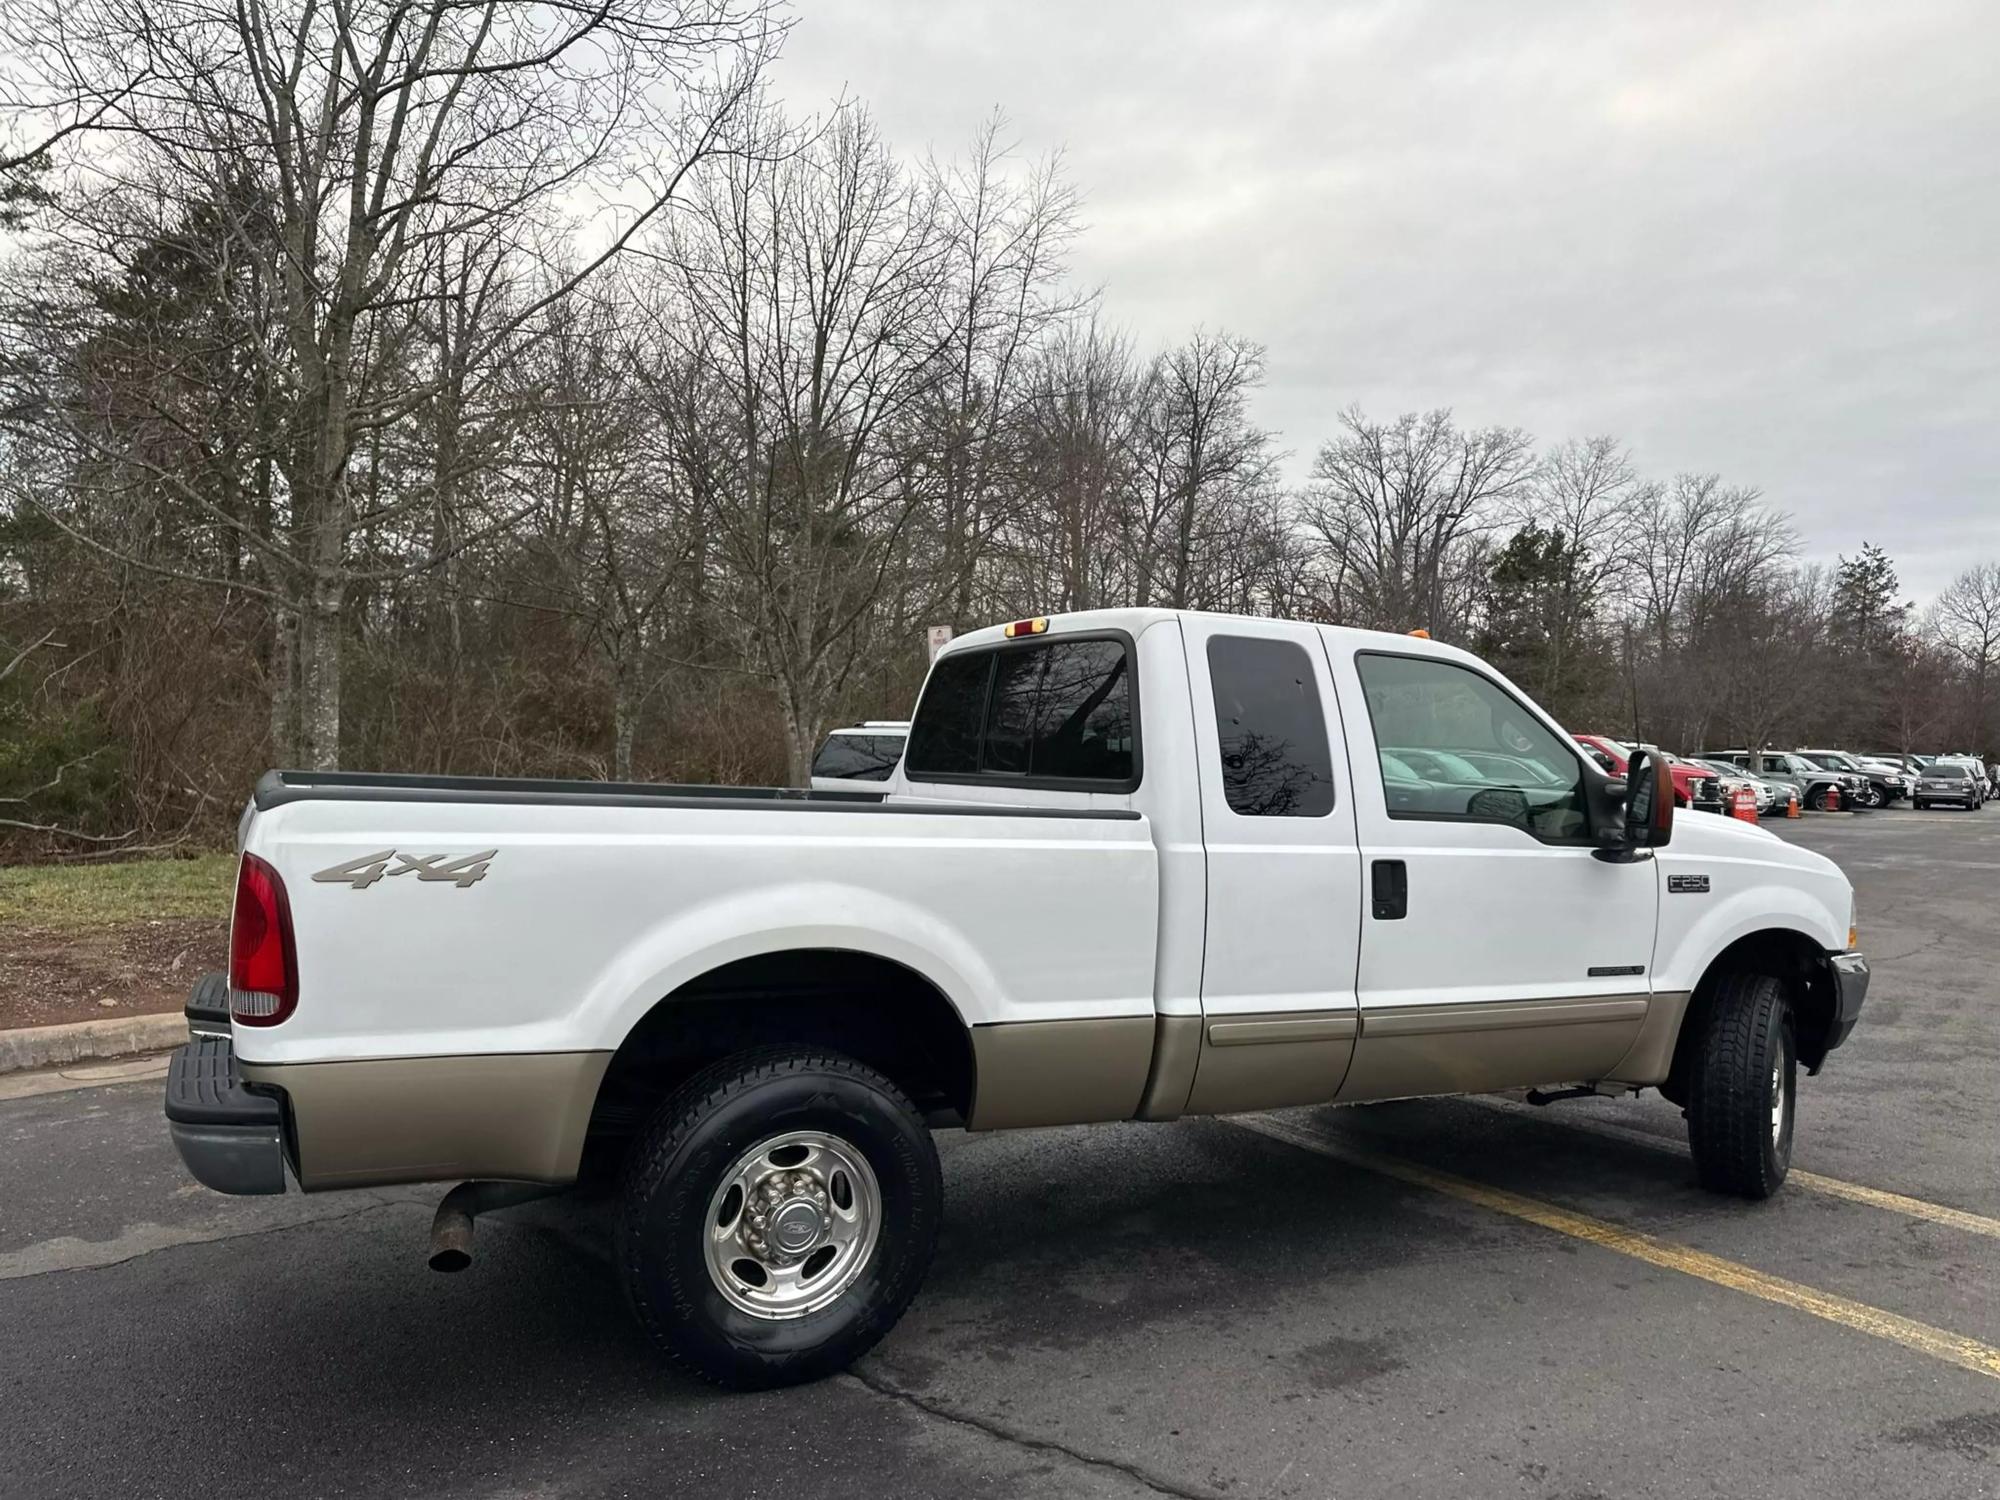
point(1833, 760)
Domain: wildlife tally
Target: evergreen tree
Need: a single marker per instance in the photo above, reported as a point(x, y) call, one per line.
point(1540, 606)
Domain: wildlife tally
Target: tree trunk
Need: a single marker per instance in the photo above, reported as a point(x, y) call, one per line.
point(284, 685)
point(624, 719)
point(319, 675)
point(801, 737)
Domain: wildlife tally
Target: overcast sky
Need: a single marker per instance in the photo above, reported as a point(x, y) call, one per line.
point(1759, 240)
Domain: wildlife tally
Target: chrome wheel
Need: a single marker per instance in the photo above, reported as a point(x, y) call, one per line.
point(1778, 1102)
point(791, 1225)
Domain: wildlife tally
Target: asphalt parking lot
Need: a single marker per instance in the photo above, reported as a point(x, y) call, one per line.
point(1449, 1298)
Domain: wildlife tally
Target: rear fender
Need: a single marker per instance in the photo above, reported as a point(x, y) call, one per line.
point(703, 938)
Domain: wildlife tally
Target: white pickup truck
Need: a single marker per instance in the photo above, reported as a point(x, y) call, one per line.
point(1135, 864)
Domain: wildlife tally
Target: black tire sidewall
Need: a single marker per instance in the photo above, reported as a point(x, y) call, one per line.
point(1749, 1028)
point(665, 1213)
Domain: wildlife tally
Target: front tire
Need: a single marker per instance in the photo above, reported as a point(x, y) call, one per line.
point(778, 1216)
point(1743, 1089)
point(1816, 799)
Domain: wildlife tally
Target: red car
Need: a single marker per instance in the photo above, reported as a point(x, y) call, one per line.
point(1612, 756)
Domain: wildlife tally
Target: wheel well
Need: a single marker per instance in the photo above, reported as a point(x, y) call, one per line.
point(873, 1009)
point(1786, 955)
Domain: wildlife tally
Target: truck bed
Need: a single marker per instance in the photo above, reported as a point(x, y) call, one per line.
point(277, 788)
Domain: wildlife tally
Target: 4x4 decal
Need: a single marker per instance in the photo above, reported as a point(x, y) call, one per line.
point(461, 870)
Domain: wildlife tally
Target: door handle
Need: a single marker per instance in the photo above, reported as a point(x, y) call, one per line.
point(1389, 881)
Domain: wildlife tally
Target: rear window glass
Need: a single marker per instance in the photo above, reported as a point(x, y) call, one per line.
point(1959, 772)
point(1054, 711)
point(1271, 728)
point(859, 757)
point(944, 737)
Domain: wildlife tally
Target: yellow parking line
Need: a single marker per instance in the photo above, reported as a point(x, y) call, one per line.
point(1833, 1187)
point(1952, 1348)
point(1916, 1208)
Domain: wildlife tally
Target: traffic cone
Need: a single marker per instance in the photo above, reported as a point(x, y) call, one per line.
point(1792, 805)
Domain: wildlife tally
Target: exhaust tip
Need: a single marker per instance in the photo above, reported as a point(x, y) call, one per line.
point(450, 1258)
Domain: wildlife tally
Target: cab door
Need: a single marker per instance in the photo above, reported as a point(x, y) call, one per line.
point(1284, 872)
point(1496, 950)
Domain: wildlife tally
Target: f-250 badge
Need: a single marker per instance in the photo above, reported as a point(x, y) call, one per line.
point(1687, 885)
point(461, 870)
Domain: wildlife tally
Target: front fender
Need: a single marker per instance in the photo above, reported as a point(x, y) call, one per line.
point(1691, 937)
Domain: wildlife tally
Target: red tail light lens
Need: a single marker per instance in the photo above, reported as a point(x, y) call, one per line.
point(263, 961)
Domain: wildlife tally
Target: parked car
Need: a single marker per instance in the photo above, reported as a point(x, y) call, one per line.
point(1688, 780)
point(1972, 763)
point(1772, 796)
point(1079, 901)
point(867, 752)
point(1882, 784)
point(1952, 781)
point(1812, 782)
point(1909, 765)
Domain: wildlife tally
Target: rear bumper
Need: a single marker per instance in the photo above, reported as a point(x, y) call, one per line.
point(1850, 988)
point(231, 1139)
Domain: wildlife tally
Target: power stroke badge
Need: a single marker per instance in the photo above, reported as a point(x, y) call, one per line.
point(461, 870)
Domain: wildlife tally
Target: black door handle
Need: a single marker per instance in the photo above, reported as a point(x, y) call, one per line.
point(1390, 886)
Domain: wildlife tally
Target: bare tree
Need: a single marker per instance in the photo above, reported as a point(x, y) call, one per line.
point(818, 282)
point(1076, 470)
point(1967, 621)
point(1399, 504)
point(1198, 453)
point(1006, 238)
point(340, 150)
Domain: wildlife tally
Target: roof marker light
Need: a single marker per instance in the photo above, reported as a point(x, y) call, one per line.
point(1036, 626)
point(1421, 634)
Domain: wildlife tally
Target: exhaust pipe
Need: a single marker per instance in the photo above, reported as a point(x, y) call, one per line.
point(451, 1228)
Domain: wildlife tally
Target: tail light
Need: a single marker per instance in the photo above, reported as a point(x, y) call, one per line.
point(263, 959)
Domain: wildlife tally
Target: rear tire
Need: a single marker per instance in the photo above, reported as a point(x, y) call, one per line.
point(862, 1201)
point(1742, 1091)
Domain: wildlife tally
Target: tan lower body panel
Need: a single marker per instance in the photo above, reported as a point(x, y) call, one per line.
point(1271, 1061)
point(1176, 1048)
point(1471, 1048)
point(1060, 1072)
point(1652, 1053)
point(425, 1119)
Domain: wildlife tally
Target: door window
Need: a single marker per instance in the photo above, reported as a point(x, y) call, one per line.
point(1276, 762)
point(1454, 745)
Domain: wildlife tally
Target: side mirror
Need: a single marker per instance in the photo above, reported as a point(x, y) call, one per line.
point(1648, 816)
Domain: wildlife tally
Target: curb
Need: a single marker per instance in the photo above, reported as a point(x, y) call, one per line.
point(120, 1036)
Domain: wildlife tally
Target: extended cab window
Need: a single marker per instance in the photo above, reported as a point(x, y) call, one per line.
point(1054, 712)
point(1275, 759)
point(1454, 745)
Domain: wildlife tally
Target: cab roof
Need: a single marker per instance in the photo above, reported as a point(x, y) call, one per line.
point(1135, 622)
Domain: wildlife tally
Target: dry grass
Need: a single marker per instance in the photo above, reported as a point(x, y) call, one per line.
point(80, 898)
